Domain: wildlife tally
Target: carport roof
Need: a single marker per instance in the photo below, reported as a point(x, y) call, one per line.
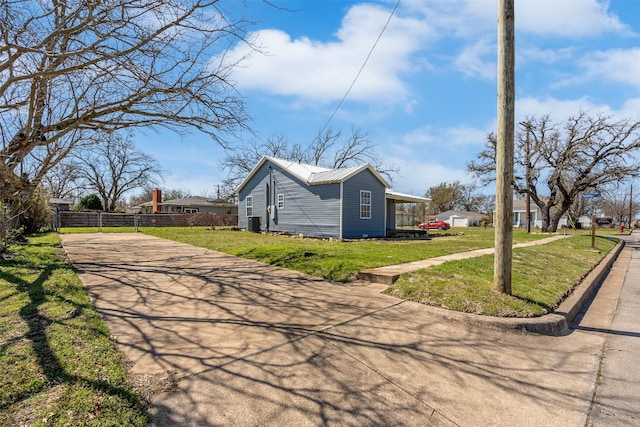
point(404, 198)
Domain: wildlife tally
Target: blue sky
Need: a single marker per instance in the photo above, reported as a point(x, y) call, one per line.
point(427, 96)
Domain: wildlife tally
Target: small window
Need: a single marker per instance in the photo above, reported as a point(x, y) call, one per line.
point(249, 205)
point(191, 210)
point(280, 201)
point(365, 204)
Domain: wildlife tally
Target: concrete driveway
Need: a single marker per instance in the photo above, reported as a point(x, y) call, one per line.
point(252, 344)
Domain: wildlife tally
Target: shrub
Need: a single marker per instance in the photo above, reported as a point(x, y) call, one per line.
point(90, 202)
point(35, 212)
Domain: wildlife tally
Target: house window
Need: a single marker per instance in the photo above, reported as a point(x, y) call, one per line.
point(190, 210)
point(249, 205)
point(280, 201)
point(365, 204)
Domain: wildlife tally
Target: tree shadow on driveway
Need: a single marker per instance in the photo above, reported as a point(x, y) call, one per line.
point(253, 344)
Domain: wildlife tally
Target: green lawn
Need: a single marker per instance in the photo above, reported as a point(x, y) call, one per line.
point(334, 260)
point(58, 365)
point(541, 277)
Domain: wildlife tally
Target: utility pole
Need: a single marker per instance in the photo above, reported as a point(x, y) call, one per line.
point(504, 147)
point(527, 203)
point(630, 207)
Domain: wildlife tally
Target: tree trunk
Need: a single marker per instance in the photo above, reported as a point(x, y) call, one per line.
point(546, 218)
point(553, 227)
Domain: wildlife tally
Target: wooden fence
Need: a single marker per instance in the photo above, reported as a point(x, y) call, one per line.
point(105, 219)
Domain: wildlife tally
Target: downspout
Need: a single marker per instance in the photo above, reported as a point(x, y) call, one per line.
point(384, 224)
point(341, 201)
point(268, 196)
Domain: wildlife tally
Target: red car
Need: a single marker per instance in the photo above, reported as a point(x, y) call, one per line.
point(434, 225)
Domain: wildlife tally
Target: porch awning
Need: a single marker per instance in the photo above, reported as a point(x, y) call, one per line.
point(404, 198)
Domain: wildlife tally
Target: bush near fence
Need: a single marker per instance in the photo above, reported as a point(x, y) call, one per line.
point(104, 219)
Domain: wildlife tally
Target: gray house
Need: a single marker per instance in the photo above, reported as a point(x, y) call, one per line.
point(284, 196)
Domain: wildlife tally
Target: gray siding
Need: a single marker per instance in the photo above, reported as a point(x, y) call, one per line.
point(391, 215)
point(352, 225)
point(308, 210)
point(256, 188)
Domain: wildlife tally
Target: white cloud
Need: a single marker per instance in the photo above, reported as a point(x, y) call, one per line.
point(617, 65)
point(475, 21)
point(418, 174)
point(449, 137)
point(557, 109)
point(571, 19)
point(526, 54)
point(478, 59)
point(550, 18)
point(324, 70)
point(560, 110)
point(630, 109)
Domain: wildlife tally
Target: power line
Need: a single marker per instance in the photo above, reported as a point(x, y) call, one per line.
point(361, 68)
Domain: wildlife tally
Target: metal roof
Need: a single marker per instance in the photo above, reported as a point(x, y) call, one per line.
point(334, 175)
point(405, 198)
point(301, 170)
point(312, 174)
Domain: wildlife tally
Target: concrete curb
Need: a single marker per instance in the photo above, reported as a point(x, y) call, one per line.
point(556, 323)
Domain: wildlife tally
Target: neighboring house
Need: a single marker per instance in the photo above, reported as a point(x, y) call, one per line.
point(520, 215)
point(193, 204)
point(284, 196)
point(60, 204)
point(460, 218)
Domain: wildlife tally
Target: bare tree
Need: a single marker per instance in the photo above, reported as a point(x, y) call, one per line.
point(328, 149)
point(239, 163)
point(63, 180)
point(146, 194)
point(486, 203)
point(474, 201)
point(358, 148)
point(113, 166)
point(615, 203)
point(585, 154)
point(579, 207)
point(69, 69)
point(457, 196)
point(444, 197)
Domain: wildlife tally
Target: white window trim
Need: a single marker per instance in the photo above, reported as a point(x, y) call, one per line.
point(249, 205)
point(281, 201)
point(363, 192)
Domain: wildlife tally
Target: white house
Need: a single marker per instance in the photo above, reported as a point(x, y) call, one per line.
point(520, 215)
point(460, 218)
